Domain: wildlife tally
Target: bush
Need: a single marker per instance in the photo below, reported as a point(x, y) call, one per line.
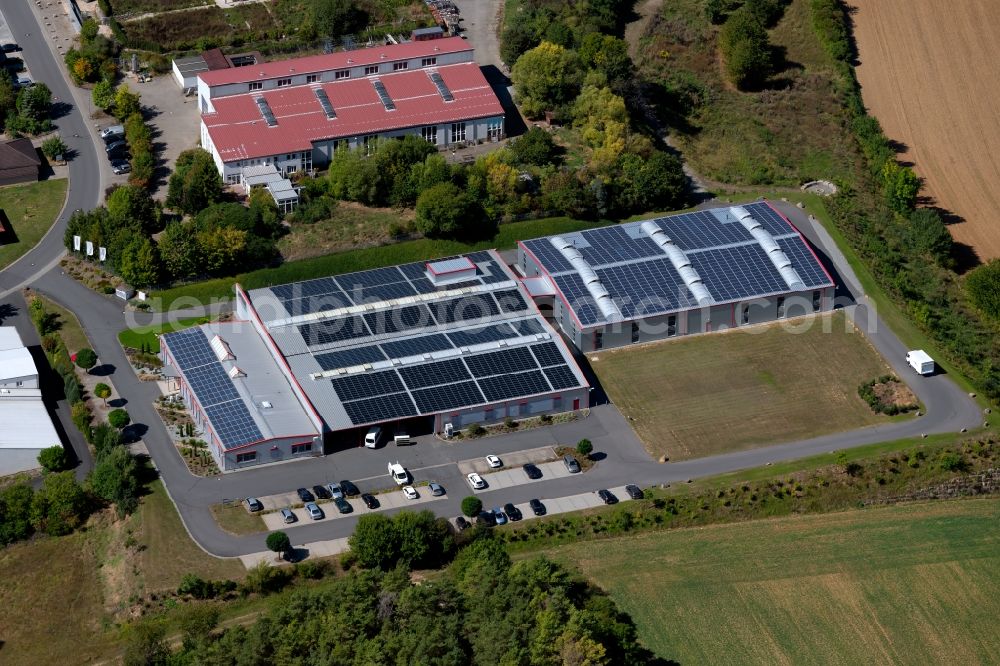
point(471, 506)
point(983, 287)
point(86, 358)
point(584, 447)
point(53, 458)
point(265, 579)
point(54, 147)
point(119, 418)
point(745, 48)
point(444, 211)
point(476, 430)
point(278, 542)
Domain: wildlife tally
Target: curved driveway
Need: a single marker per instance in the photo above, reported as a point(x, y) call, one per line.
point(948, 408)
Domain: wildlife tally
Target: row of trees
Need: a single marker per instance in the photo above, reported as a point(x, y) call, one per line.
point(483, 609)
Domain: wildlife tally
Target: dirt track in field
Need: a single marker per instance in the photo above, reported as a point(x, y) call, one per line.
point(930, 72)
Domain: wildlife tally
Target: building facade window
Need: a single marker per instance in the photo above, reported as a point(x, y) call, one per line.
point(429, 133)
point(341, 74)
point(598, 340)
point(312, 78)
point(781, 306)
point(249, 456)
point(282, 83)
point(635, 331)
point(400, 66)
point(746, 314)
point(371, 69)
point(428, 62)
point(307, 160)
point(457, 132)
point(301, 448)
point(369, 143)
point(671, 326)
point(256, 85)
point(233, 178)
point(494, 129)
point(817, 300)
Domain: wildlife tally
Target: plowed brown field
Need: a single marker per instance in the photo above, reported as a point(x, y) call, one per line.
point(930, 72)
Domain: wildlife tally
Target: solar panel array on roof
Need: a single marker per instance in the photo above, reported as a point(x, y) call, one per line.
point(213, 386)
point(265, 111)
point(647, 273)
point(441, 87)
point(383, 95)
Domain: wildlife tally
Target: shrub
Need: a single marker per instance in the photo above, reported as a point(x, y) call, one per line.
point(471, 506)
point(53, 458)
point(983, 287)
point(476, 430)
point(265, 579)
point(54, 147)
point(86, 358)
point(119, 418)
point(444, 211)
point(584, 447)
point(278, 542)
point(745, 49)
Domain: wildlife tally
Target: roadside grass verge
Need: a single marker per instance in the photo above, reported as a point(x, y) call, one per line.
point(203, 293)
point(915, 583)
point(70, 329)
point(148, 335)
point(28, 212)
point(235, 519)
point(708, 394)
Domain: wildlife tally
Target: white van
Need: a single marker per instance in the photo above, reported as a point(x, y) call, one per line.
point(374, 437)
point(398, 473)
point(920, 361)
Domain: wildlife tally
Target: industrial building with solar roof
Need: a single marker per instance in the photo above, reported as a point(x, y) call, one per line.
point(309, 367)
point(676, 275)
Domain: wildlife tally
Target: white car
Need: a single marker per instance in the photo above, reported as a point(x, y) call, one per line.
point(410, 492)
point(399, 474)
point(493, 461)
point(476, 481)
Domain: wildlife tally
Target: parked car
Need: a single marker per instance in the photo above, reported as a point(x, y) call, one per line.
point(111, 138)
point(486, 518)
point(350, 490)
point(253, 504)
point(370, 501)
point(532, 471)
point(343, 505)
point(314, 511)
point(493, 461)
point(607, 496)
point(305, 495)
point(113, 130)
point(512, 511)
point(476, 481)
point(498, 516)
point(462, 524)
point(120, 166)
point(321, 493)
point(410, 492)
point(23, 82)
point(436, 489)
point(288, 516)
point(11, 47)
point(335, 490)
point(571, 464)
point(537, 507)
point(634, 491)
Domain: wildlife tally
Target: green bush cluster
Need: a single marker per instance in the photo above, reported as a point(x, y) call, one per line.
point(867, 393)
point(140, 142)
point(908, 251)
point(199, 588)
point(412, 539)
point(94, 61)
point(746, 49)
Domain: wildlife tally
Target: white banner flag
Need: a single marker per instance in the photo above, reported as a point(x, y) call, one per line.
point(102, 253)
point(90, 249)
point(76, 243)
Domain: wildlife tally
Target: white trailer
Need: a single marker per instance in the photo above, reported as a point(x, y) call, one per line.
point(920, 361)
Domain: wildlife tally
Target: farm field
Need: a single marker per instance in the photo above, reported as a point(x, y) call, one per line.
point(711, 394)
point(930, 72)
point(907, 584)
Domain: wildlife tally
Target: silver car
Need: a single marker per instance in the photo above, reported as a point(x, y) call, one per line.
point(314, 511)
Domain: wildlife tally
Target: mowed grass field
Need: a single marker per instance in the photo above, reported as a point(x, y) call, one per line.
point(28, 211)
point(710, 394)
point(930, 72)
point(910, 584)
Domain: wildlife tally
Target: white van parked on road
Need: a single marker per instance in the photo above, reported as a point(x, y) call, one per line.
point(920, 361)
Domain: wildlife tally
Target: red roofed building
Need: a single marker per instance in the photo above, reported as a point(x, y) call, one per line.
point(294, 114)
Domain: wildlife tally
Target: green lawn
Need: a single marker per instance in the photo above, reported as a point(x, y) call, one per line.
point(69, 326)
point(235, 519)
point(29, 211)
point(202, 293)
point(908, 584)
point(709, 394)
point(135, 337)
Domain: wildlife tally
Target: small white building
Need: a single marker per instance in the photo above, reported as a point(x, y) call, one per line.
point(25, 425)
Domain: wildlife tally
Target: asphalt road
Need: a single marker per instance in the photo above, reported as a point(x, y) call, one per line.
point(624, 458)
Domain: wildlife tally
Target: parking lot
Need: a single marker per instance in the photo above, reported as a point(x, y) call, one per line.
point(557, 505)
point(388, 500)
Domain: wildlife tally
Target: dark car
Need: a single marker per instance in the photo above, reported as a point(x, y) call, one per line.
point(634, 491)
point(305, 495)
point(370, 501)
point(321, 492)
point(113, 138)
point(607, 496)
point(119, 167)
point(512, 511)
point(116, 146)
point(343, 505)
point(537, 507)
point(486, 519)
point(10, 47)
point(349, 489)
point(118, 154)
point(532, 471)
point(461, 524)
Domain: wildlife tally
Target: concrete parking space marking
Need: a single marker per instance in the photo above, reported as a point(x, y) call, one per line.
point(508, 478)
point(390, 500)
point(512, 460)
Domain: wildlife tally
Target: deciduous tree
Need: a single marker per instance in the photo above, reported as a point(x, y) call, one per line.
point(53, 458)
point(546, 78)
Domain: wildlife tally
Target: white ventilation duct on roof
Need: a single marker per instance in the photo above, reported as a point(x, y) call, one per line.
point(602, 299)
point(680, 261)
point(221, 349)
point(770, 246)
point(235, 372)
